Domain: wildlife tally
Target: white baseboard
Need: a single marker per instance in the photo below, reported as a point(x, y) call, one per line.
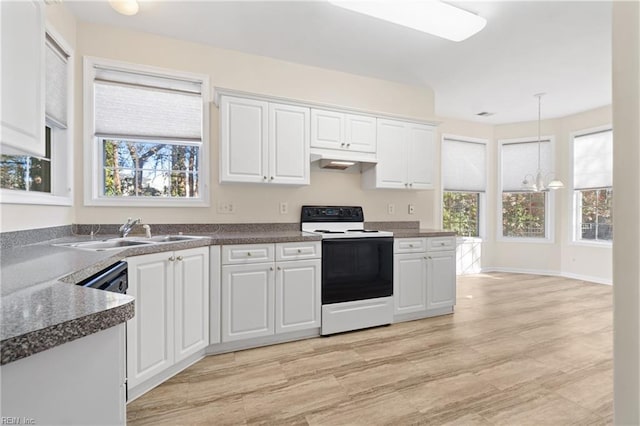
point(591, 279)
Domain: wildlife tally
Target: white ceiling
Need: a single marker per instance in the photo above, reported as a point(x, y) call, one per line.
point(527, 47)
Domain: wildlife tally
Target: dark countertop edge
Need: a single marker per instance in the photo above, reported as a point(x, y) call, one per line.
point(422, 233)
point(24, 345)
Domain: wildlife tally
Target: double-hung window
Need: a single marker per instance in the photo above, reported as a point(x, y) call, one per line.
point(464, 176)
point(147, 135)
point(27, 179)
point(524, 214)
point(592, 184)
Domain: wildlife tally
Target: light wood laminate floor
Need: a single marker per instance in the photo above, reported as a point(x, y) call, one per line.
point(519, 350)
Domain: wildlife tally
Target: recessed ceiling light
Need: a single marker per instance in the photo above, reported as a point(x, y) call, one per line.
point(125, 7)
point(429, 16)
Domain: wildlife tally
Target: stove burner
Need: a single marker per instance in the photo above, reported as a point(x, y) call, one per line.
point(362, 230)
point(326, 231)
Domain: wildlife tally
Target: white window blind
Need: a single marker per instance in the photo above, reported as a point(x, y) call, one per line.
point(520, 159)
point(593, 160)
point(464, 166)
point(146, 106)
point(56, 83)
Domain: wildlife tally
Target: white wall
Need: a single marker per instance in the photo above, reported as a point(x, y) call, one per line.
point(561, 255)
point(15, 217)
point(626, 178)
point(235, 70)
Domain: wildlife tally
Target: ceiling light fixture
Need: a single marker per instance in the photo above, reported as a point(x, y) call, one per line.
point(125, 7)
point(429, 16)
point(537, 184)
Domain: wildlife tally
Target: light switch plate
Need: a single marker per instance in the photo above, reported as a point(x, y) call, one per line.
point(391, 208)
point(412, 209)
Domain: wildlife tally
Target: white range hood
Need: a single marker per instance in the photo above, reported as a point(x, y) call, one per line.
point(341, 160)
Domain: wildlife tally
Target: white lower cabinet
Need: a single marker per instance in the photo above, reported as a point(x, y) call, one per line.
point(424, 282)
point(298, 295)
point(409, 289)
point(265, 298)
point(171, 321)
point(247, 301)
point(441, 281)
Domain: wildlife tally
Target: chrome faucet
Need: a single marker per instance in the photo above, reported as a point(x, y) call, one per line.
point(127, 227)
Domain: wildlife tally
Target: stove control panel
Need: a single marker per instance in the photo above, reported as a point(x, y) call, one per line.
point(331, 214)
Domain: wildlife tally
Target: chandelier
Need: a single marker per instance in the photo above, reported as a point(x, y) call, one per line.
point(540, 182)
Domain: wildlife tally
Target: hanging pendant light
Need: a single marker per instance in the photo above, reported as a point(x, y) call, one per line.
point(537, 183)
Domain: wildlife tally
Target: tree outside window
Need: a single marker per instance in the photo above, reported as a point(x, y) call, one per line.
point(460, 213)
point(523, 214)
point(149, 169)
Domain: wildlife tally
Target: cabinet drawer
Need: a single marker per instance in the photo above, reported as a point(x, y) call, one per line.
point(249, 253)
point(441, 244)
point(409, 245)
point(301, 250)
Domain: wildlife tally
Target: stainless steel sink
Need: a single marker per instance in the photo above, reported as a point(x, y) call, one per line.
point(105, 244)
point(171, 238)
point(120, 243)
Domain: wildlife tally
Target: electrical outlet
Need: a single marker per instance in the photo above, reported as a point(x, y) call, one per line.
point(226, 207)
point(284, 207)
point(412, 209)
point(391, 208)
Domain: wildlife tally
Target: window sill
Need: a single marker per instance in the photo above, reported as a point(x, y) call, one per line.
point(525, 240)
point(8, 196)
point(592, 244)
point(142, 202)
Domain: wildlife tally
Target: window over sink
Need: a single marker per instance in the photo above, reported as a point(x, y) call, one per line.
point(147, 134)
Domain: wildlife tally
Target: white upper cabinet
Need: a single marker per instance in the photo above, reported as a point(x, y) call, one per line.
point(405, 156)
point(263, 142)
point(22, 91)
point(288, 144)
point(336, 130)
point(243, 140)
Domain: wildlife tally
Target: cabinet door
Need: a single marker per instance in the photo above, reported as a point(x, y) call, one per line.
point(288, 144)
point(421, 158)
point(247, 301)
point(243, 140)
point(391, 170)
point(150, 331)
point(22, 38)
point(191, 272)
point(441, 281)
point(327, 129)
point(360, 133)
point(298, 298)
point(409, 283)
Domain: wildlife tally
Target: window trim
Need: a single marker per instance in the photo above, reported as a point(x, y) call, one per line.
point(549, 207)
point(92, 153)
point(62, 163)
point(482, 204)
point(571, 194)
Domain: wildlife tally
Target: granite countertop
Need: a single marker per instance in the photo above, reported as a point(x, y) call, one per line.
point(41, 307)
point(420, 233)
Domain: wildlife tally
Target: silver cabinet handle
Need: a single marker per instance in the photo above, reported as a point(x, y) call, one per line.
point(271, 177)
point(271, 268)
point(411, 184)
point(342, 144)
point(406, 184)
point(249, 253)
point(410, 245)
point(348, 145)
point(279, 268)
point(441, 244)
point(180, 257)
point(299, 251)
point(172, 258)
point(264, 177)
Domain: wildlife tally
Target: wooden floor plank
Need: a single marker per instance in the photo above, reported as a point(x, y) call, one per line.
point(520, 349)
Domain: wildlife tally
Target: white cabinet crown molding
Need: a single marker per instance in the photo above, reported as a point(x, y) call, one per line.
point(220, 91)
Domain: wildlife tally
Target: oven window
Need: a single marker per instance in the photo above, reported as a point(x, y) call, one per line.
point(356, 269)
